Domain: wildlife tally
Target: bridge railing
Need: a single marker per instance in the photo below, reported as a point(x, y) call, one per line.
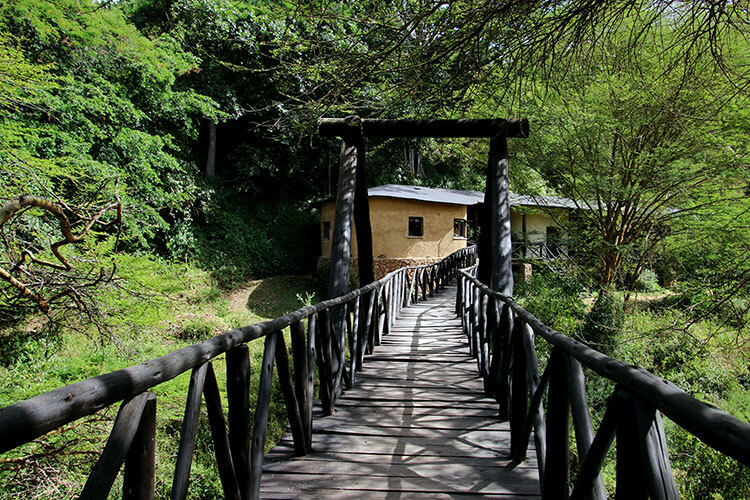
point(368, 311)
point(501, 337)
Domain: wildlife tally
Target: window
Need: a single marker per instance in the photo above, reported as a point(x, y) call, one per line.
point(459, 228)
point(326, 230)
point(416, 227)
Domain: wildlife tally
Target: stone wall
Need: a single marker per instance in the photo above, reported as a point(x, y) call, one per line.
point(521, 271)
point(381, 266)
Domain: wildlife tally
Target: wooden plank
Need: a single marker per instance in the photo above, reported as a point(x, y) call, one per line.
point(382, 459)
point(522, 483)
point(395, 446)
point(444, 469)
point(471, 429)
point(417, 422)
point(376, 495)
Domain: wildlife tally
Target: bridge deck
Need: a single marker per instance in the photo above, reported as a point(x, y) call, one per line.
point(417, 425)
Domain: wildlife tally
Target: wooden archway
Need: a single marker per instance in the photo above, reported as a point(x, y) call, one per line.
point(351, 198)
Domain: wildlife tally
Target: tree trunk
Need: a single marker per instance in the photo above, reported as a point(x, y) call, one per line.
point(211, 156)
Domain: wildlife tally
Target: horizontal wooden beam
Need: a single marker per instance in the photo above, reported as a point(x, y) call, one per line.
point(338, 127)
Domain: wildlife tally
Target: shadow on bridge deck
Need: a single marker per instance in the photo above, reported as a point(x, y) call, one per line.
point(417, 425)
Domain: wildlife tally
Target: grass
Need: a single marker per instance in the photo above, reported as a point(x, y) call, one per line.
point(166, 306)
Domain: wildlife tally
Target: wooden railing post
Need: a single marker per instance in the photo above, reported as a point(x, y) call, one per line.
point(375, 332)
point(222, 451)
point(484, 345)
point(188, 434)
point(589, 472)
point(301, 372)
point(126, 426)
point(519, 389)
point(503, 392)
point(323, 351)
point(557, 467)
point(367, 331)
point(293, 411)
point(643, 468)
point(238, 402)
point(474, 322)
point(138, 476)
point(307, 412)
point(354, 342)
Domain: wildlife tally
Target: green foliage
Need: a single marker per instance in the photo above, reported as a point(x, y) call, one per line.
point(556, 300)
point(236, 241)
point(702, 472)
point(648, 281)
point(100, 104)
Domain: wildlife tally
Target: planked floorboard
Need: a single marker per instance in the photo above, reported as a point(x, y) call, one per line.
point(417, 425)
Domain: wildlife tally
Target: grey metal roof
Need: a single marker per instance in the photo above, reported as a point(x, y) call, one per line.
point(460, 197)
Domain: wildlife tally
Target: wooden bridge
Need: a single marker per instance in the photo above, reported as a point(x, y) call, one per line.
point(417, 424)
point(440, 396)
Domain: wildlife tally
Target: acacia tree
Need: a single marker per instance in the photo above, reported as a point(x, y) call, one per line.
point(639, 145)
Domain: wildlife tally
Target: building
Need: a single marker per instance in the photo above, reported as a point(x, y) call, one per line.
point(414, 225)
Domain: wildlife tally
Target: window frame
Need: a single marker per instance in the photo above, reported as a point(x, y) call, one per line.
point(415, 219)
point(462, 224)
point(326, 230)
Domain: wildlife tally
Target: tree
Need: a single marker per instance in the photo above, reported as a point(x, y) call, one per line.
point(639, 145)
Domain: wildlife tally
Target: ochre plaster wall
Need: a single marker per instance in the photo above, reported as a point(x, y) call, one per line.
point(389, 218)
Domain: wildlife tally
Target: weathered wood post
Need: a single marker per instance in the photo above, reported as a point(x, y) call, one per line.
point(362, 215)
point(341, 241)
point(499, 211)
point(353, 151)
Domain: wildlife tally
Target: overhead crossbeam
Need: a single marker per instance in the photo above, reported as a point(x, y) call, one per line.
point(338, 127)
point(495, 245)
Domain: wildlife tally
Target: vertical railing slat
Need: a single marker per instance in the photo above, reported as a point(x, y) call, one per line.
point(222, 451)
point(582, 419)
point(262, 407)
point(290, 398)
point(124, 430)
point(188, 434)
point(557, 462)
point(301, 369)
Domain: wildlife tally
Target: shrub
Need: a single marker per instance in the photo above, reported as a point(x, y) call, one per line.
point(553, 298)
point(604, 321)
point(648, 281)
point(236, 241)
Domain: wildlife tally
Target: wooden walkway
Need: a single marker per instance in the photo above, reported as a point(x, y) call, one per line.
point(417, 425)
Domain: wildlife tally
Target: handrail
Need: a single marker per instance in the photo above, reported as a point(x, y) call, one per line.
point(511, 375)
point(373, 307)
